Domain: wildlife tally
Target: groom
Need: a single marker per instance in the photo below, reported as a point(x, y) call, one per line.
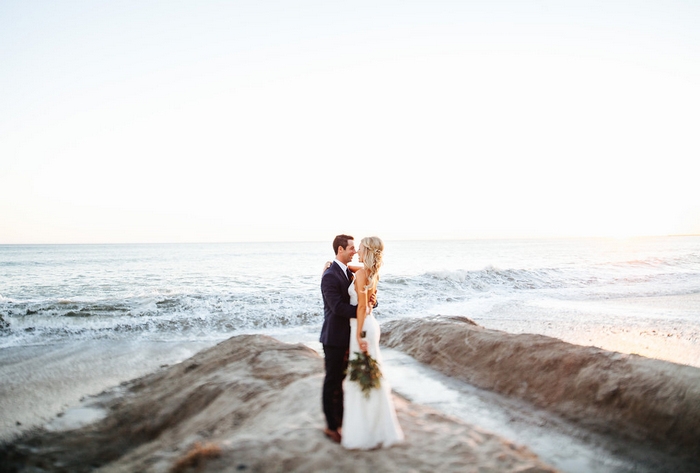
point(335, 334)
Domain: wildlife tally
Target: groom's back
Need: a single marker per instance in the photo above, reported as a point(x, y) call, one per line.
point(337, 310)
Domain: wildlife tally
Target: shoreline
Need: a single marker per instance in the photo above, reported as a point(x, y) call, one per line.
point(630, 325)
point(40, 382)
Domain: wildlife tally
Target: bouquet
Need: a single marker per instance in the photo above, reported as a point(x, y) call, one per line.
point(365, 370)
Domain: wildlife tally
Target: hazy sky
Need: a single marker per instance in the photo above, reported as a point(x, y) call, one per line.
point(173, 121)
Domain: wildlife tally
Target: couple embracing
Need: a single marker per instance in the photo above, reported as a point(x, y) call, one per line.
point(357, 419)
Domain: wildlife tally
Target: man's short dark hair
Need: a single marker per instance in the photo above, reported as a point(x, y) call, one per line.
point(341, 240)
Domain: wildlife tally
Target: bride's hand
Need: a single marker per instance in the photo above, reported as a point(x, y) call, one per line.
point(363, 345)
point(327, 265)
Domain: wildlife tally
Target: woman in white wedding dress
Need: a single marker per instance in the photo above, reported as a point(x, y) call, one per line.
point(368, 421)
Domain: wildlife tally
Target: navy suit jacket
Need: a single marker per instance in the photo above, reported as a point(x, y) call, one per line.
point(337, 310)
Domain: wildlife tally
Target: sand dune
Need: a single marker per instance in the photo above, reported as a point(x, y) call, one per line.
point(250, 403)
point(645, 400)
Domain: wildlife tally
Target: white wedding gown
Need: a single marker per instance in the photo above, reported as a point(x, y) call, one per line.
point(368, 422)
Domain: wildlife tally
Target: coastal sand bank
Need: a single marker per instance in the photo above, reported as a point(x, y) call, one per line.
point(252, 403)
point(647, 401)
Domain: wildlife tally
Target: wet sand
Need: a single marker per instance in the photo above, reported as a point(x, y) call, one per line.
point(663, 327)
point(39, 382)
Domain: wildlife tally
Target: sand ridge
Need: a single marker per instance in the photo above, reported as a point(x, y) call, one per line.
point(255, 403)
point(645, 400)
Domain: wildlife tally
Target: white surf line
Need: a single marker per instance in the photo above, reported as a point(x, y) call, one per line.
point(551, 438)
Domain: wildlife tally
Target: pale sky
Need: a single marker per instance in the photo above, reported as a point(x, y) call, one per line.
point(172, 121)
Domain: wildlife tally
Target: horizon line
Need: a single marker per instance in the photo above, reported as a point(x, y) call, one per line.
point(592, 237)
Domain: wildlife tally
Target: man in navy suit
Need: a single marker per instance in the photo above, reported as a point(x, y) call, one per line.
point(335, 334)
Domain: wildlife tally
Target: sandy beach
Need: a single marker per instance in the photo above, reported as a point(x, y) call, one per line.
point(644, 399)
point(251, 403)
point(621, 324)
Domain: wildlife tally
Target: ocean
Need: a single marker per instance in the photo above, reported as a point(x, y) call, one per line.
point(75, 319)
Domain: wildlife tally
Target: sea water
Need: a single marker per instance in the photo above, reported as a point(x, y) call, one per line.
point(208, 292)
point(75, 319)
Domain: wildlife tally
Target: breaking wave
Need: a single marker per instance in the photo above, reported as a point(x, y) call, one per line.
point(148, 302)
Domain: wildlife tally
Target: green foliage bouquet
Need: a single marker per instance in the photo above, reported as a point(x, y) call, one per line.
point(365, 370)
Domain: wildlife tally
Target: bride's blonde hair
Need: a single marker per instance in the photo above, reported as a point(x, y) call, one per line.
point(374, 249)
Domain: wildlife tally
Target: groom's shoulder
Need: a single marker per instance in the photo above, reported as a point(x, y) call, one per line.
point(330, 272)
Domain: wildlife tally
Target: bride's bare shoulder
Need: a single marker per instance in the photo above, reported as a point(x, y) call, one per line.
point(361, 277)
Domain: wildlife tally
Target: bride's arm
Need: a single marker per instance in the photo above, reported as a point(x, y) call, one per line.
point(360, 283)
point(373, 297)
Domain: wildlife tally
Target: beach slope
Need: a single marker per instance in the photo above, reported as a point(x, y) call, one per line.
point(250, 403)
point(646, 401)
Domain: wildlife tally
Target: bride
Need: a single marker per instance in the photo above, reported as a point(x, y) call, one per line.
point(368, 421)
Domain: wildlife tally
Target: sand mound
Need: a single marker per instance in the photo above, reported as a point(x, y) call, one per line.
point(251, 403)
point(641, 399)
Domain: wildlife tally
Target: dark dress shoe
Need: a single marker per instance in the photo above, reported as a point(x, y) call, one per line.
point(332, 434)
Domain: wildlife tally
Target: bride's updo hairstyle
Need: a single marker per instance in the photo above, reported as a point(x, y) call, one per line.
point(374, 249)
